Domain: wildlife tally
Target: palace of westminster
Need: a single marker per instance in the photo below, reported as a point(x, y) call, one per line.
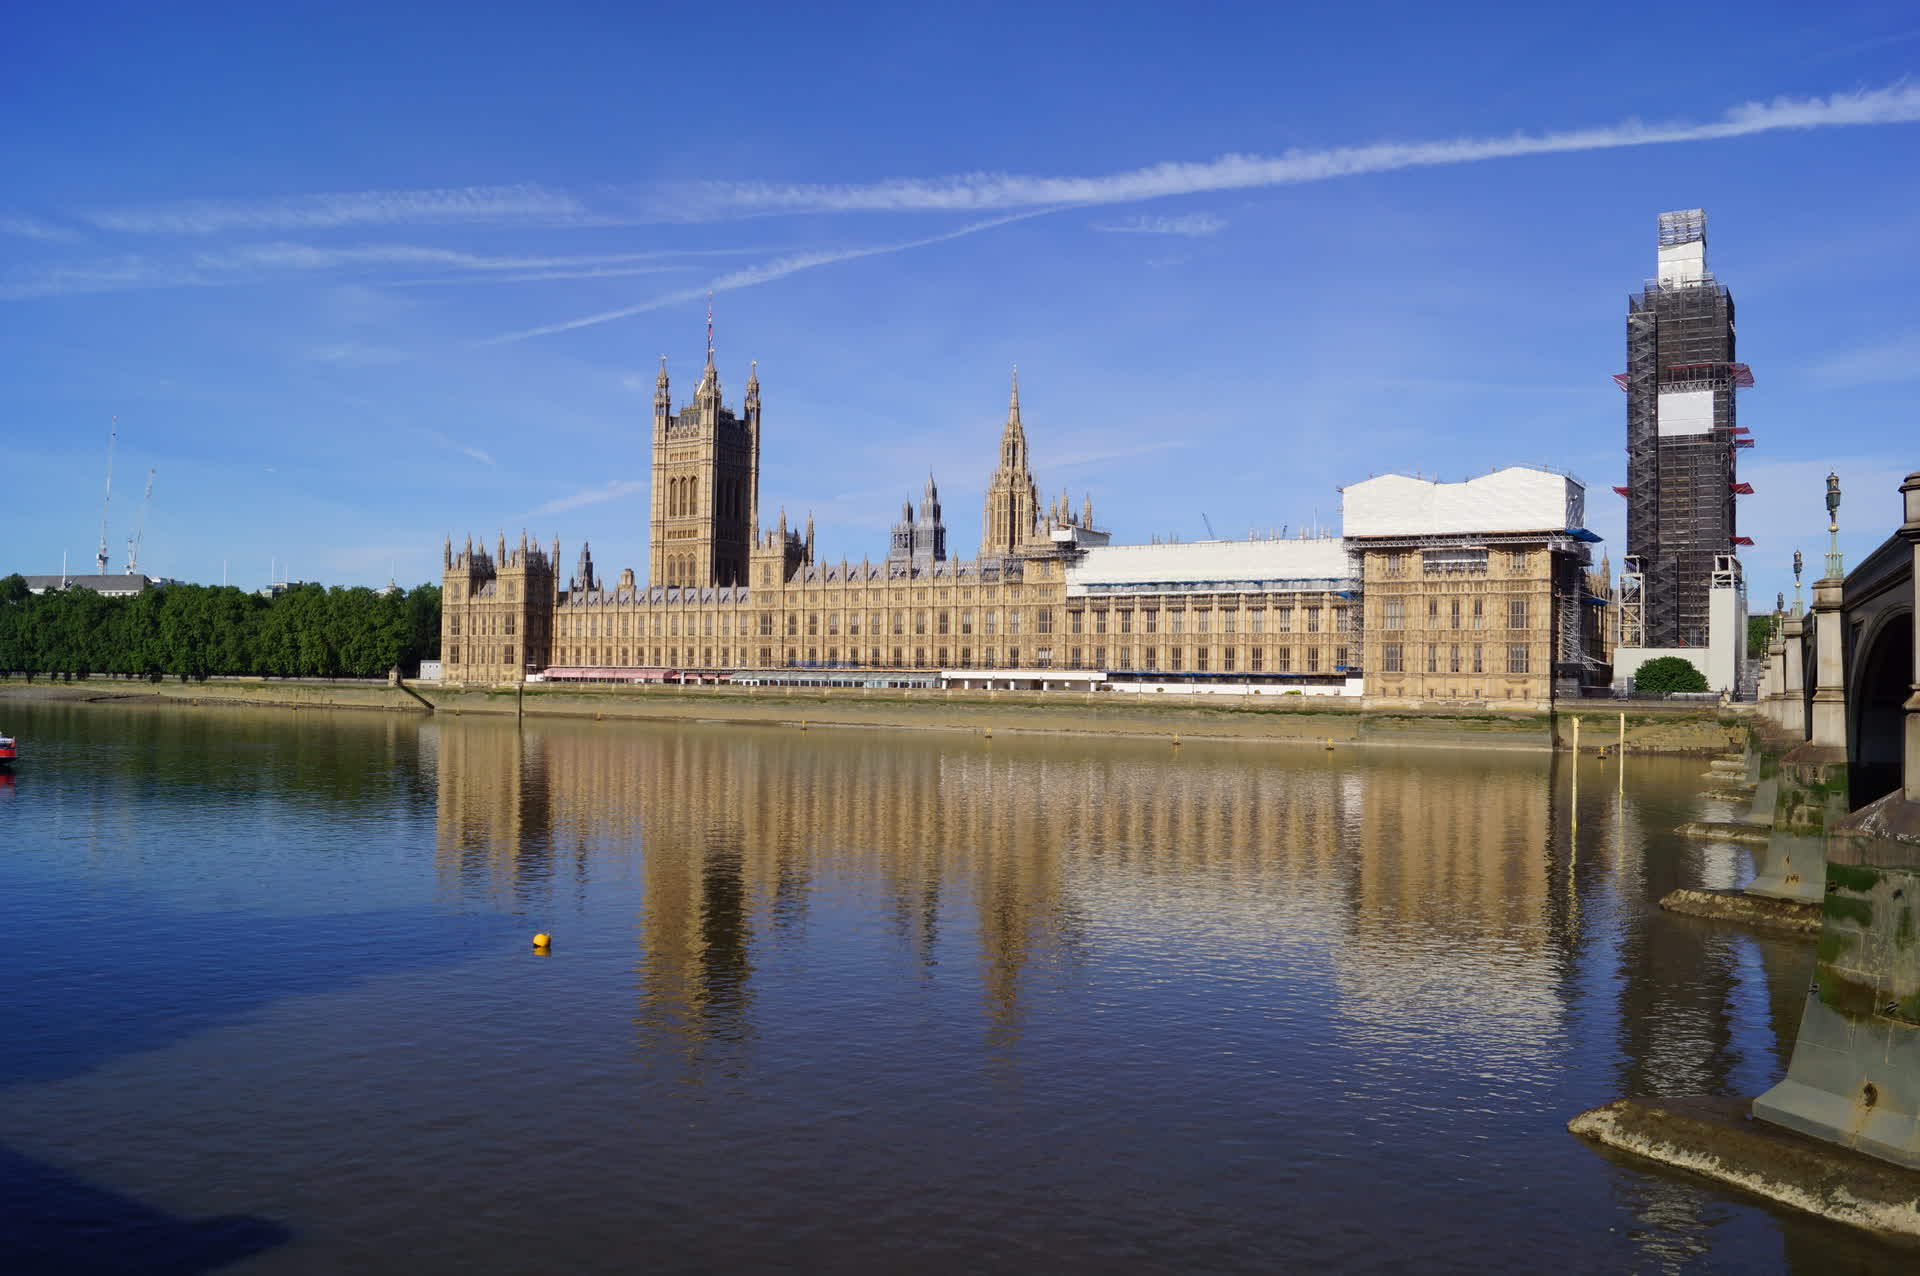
point(1466, 591)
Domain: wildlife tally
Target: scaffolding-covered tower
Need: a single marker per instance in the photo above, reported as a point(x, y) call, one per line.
point(1682, 437)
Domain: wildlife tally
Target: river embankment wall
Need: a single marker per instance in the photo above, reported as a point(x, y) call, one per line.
point(1651, 728)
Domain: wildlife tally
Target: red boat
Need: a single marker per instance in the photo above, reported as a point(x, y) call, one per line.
point(7, 752)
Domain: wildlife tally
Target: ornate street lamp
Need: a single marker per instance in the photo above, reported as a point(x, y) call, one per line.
point(1834, 569)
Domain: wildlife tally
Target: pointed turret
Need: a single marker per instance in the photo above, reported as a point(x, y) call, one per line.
point(753, 384)
point(707, 396)
point(1086, 513)
point(809, 535)
point(446, 553)
point(1013, 514)
point(662, 400)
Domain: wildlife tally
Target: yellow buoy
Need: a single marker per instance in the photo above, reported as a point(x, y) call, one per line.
point(1329, 744)
point(1176, 739)
point(542, 940)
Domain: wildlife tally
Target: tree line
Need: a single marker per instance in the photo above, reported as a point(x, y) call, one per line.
point(198, 631)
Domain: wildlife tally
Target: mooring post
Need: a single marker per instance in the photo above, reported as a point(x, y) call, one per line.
point(1622, 751)
point(1572, 844)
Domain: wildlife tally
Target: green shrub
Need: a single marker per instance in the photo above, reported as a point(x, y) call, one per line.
point(1669, 673)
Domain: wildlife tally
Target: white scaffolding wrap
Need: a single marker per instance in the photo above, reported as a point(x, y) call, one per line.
point(1228, 566)
point(1516, 499)
point(1685, 412)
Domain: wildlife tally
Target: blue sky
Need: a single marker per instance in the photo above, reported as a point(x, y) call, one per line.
point(354, 277)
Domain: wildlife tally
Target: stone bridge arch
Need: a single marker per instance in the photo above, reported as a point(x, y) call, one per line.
point(1877, 617)
point(1879, 683)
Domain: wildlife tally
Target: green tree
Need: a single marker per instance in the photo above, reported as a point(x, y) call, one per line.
point(1759, 634)
point(423, 626)
point(194, 631)
point(1668, 673)
point(15, 608)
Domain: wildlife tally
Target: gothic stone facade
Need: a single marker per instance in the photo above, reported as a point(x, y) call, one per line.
point(724, 596)
point(1473, 622)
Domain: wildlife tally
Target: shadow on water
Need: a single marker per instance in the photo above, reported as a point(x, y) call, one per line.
point(174, 974)
point(52, 1222)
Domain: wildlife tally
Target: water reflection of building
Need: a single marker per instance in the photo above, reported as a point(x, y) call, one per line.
point(494, 821)
point(1039, 843)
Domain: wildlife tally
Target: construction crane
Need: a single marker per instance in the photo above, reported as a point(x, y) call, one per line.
point(113, 436)
point(1203, 518)
point(139, 529)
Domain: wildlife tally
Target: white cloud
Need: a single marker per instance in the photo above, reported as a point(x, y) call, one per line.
point(981, 192)
point(469, 205)
point(252, 262)
point(1192, 224)
point(765, 272)
point(473, 452)
point(609, 491)
point(539, 276)
point(117, 274)
point(34, 228)
point(297, 256)
point(529, 204)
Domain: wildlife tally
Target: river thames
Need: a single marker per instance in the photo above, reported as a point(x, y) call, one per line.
point(854, 999)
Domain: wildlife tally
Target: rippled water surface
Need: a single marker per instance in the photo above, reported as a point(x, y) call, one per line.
point(853, 999)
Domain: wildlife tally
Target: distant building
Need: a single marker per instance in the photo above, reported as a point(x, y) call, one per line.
point(919, 542)
point(1683, 438)
point(1472, 591)
point(1257, 614)
point(1475, 591)
point(121, 586)
point(720, 603)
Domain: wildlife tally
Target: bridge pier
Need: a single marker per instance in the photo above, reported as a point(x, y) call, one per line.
point(1846, 816)
point(1793, 695)
point(1773, 681)
point(1855, 1075)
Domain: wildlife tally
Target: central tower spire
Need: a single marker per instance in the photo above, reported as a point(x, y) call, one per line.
point(706, 481)
point(1012, 498)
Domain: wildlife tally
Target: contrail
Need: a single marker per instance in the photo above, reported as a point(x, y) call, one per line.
point(778, 268)
point(981, 192)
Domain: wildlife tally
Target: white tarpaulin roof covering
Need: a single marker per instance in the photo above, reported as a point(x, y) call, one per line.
point(1516, 499)
point(1201, 562)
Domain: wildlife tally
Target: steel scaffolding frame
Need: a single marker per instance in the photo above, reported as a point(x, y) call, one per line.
point(1680, 487)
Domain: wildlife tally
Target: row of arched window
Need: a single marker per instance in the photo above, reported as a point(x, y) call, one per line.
point(683, 498)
